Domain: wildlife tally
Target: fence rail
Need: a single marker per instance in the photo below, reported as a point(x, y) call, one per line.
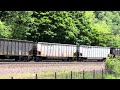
point(70, 75)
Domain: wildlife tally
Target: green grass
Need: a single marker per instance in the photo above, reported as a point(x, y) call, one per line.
point(51, 75)
point(75, 75)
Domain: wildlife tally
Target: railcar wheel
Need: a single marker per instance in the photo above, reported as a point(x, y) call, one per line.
point(80, 60)
point(70, 59)
point(30, 58)
point(24, 58)
point(6, 56)
point(104, 59)
point(36, 59)
point(16, 58)
point(63, 60)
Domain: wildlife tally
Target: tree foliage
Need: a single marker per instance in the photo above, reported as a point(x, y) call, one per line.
point(5, 31)
point(98, 28)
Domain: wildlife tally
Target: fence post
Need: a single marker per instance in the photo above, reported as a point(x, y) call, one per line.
point(66, 75)
point(36, 76)
point(11, 77)
point(71, 74)
point(55, 75)
point(76, 75)
point(102, 73)
point(83, 74)
point(93, 74)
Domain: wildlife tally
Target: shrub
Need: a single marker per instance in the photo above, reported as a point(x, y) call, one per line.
point(112, 67)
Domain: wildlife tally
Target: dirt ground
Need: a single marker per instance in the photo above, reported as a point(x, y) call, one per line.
point(9, 69)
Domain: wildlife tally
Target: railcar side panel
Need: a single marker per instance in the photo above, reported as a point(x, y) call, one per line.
point(11, 47)
point(56, 50)
point(92, 52)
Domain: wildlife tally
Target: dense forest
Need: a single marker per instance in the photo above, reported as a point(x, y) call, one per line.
point(96, 28)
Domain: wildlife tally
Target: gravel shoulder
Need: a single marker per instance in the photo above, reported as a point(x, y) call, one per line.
point(12, 69)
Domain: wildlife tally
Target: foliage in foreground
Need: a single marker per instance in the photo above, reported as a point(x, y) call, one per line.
point(112, 68)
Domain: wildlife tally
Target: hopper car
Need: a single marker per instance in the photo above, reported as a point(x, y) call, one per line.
point(23, 50)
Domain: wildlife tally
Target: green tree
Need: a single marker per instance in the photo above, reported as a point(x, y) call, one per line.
point(18, 21)
point(55, 26)
point(5, 31)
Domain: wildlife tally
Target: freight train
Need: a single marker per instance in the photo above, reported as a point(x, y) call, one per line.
point(22, 50)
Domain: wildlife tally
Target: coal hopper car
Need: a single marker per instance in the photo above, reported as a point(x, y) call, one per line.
point(55, 51)
point(19, 50)
point(94, 53)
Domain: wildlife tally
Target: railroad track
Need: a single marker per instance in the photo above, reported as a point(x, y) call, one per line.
point(51, 62)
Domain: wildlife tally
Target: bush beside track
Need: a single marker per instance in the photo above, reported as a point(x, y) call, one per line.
point(112, 68)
